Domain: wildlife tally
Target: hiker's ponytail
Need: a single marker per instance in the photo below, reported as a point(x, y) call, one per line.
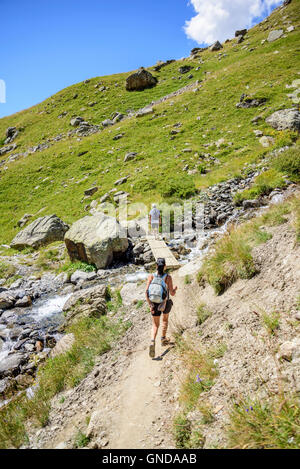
point(160, 269)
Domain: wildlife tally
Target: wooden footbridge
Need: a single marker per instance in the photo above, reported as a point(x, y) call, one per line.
point(160, 249)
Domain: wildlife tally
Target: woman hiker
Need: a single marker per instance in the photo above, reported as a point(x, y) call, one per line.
point(158, 288)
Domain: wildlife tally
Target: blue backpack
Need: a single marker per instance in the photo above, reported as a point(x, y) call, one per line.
point(158, 290)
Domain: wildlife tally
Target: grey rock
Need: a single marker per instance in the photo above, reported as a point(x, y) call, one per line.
point(266, 141)
point(7, 300)
point(23, 302)
point(160, 65)
point(251, 204)
point(90, 302)
point(140, 80)
point(285, 119)
point(24, 219)
point(274, 35)
point(40, 232)
point(184, 69)
point(96, 239)
point(10, 364)
point(130, 156)
point(240, 32)
point(11, 133)
point(118, 116)
point(248, 102)
point(121, 181)
point(76, 121)
point(90, 191)
point(63, 345)
point(16, 284)
point(216, 46)
point(80, 276)
point(7, 149)
point(145, 111)
point(289, 350)
point(107, 123)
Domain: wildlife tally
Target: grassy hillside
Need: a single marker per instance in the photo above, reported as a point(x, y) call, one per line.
point(54, 180)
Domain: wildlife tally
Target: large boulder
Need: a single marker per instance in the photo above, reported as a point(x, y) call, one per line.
point(63, 345)
point(7, 300)
point(90, 302)
point(140, 80)
point(11, 133)
point(96, 239)
point(274, 35)
point(240, 32)
point(285, 119)
point(40, 232)
point(10, 365)
point(216, 46)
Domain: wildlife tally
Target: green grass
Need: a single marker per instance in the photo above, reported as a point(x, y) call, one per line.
point(7, 270)
point(232, 257)
point(114, 300)
point(201, 373)
point(187, 280)
point(54, 180)
point(93, 337)
point(288, 163)
point(81, 440)
point(71, 267)
point(202, 314)
point(271, 321)
point(263, 184)
point(272, 424)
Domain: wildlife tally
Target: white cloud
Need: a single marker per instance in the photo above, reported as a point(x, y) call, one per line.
point(219, 19)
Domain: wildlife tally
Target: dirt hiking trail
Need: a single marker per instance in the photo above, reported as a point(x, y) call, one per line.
point(142, 403)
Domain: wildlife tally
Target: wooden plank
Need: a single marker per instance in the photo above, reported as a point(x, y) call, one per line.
point(160, 249)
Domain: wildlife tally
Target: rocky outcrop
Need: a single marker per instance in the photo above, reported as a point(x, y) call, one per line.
point(7, 149)
point(184, 69)
point(76, 121)
point(216, 46)
point(140, 80)
point(40, 232)
point(11, 364)
point(274, 35)
point(63, 345)
point(90, 302)
point(240, 32)
point(248, 102)
point(11, 134)
point(7, 300)
point(286, 119)
point(24, 219)
point(96, 240)
point(160, 65)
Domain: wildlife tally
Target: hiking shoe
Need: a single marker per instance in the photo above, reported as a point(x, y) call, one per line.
point(152, 350)
point(165, 341)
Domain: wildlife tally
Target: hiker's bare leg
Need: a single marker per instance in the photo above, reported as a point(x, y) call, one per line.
point(165, 324)
point(155, 326)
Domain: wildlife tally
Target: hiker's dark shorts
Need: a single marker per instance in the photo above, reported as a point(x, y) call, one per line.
point(166, 311)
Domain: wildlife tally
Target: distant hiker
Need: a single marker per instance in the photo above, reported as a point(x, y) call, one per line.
point(154, 220)
point(159, 285)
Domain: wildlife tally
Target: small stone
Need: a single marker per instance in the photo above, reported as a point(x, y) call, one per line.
point(266, 141)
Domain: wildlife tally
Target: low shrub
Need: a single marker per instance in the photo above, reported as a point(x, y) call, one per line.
point(288, 163)
point(273, 424)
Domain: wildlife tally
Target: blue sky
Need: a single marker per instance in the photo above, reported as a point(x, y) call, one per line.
point(50, 44)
